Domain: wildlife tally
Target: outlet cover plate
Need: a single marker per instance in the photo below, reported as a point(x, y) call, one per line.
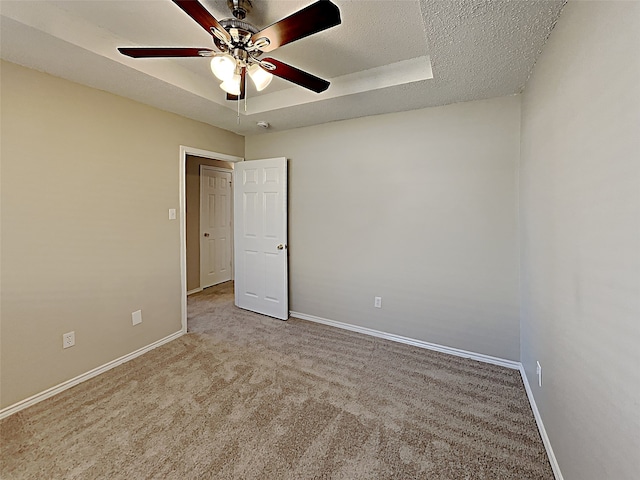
point(68, 339)
point(136, 317)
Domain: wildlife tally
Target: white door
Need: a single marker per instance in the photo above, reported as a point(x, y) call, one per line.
point(215, 226)
point(260, 232)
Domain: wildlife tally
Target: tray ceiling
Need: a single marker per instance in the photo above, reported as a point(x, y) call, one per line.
point(386, 56)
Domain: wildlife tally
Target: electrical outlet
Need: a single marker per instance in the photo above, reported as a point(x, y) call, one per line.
point(377, 302)
point(136, 317)
point(68, 339)
point(539, 372)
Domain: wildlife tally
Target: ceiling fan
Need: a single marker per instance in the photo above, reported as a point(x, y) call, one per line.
point(240, 45)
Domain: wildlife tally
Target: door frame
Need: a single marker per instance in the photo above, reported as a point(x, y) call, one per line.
point(201, 200)
point(182, 186)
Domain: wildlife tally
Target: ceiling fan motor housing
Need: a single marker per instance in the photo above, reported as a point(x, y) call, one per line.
point(241, 33)
point(239, 8)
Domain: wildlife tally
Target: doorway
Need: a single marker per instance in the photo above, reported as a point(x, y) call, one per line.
point(191, 160)
point(194, 210)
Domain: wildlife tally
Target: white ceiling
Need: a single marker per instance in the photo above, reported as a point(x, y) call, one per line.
point(386, 56)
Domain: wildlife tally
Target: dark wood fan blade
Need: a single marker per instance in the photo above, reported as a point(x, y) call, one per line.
point(295, 75)
point(243, 85)
point(313, 19)
point(201, 15)
point(152, 52)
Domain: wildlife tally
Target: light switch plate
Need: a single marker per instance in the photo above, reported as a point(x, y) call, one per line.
point(172, 214)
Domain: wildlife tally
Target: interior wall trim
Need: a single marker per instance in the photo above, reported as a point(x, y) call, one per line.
point(61, 387)
point(543, 432)
point(411, 341)
point(195, 290)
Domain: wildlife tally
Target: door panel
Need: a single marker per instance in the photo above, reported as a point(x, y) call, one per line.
point(261, 261)
point(215, 226)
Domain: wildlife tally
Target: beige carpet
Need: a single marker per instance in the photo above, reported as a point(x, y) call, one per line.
point(245, 396)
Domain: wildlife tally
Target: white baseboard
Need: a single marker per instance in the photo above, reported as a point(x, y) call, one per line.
point(543, 432)
point(16, 407)
point(195, 290)
point(458, 353)
point(38, 397)
point(411, 341)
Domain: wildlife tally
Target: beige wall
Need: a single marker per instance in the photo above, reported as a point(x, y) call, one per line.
point(87, 181)
point(193, 215)
point(580, 210)
point(417, 207)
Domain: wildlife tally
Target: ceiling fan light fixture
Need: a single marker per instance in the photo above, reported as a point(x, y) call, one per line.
point(261, 78)
point(241, 44)
point(223, 66)
point(232, 85)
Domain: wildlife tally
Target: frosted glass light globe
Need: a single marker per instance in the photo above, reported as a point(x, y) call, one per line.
point(260, 77)
point(232, 85)
point(223, 66)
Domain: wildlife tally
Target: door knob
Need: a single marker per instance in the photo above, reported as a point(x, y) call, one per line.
point(282, 246)
point(206, 234)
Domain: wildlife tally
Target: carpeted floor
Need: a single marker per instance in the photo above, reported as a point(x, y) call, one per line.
point(244, 397)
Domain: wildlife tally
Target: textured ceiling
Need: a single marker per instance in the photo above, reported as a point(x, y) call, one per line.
point(386, 56)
